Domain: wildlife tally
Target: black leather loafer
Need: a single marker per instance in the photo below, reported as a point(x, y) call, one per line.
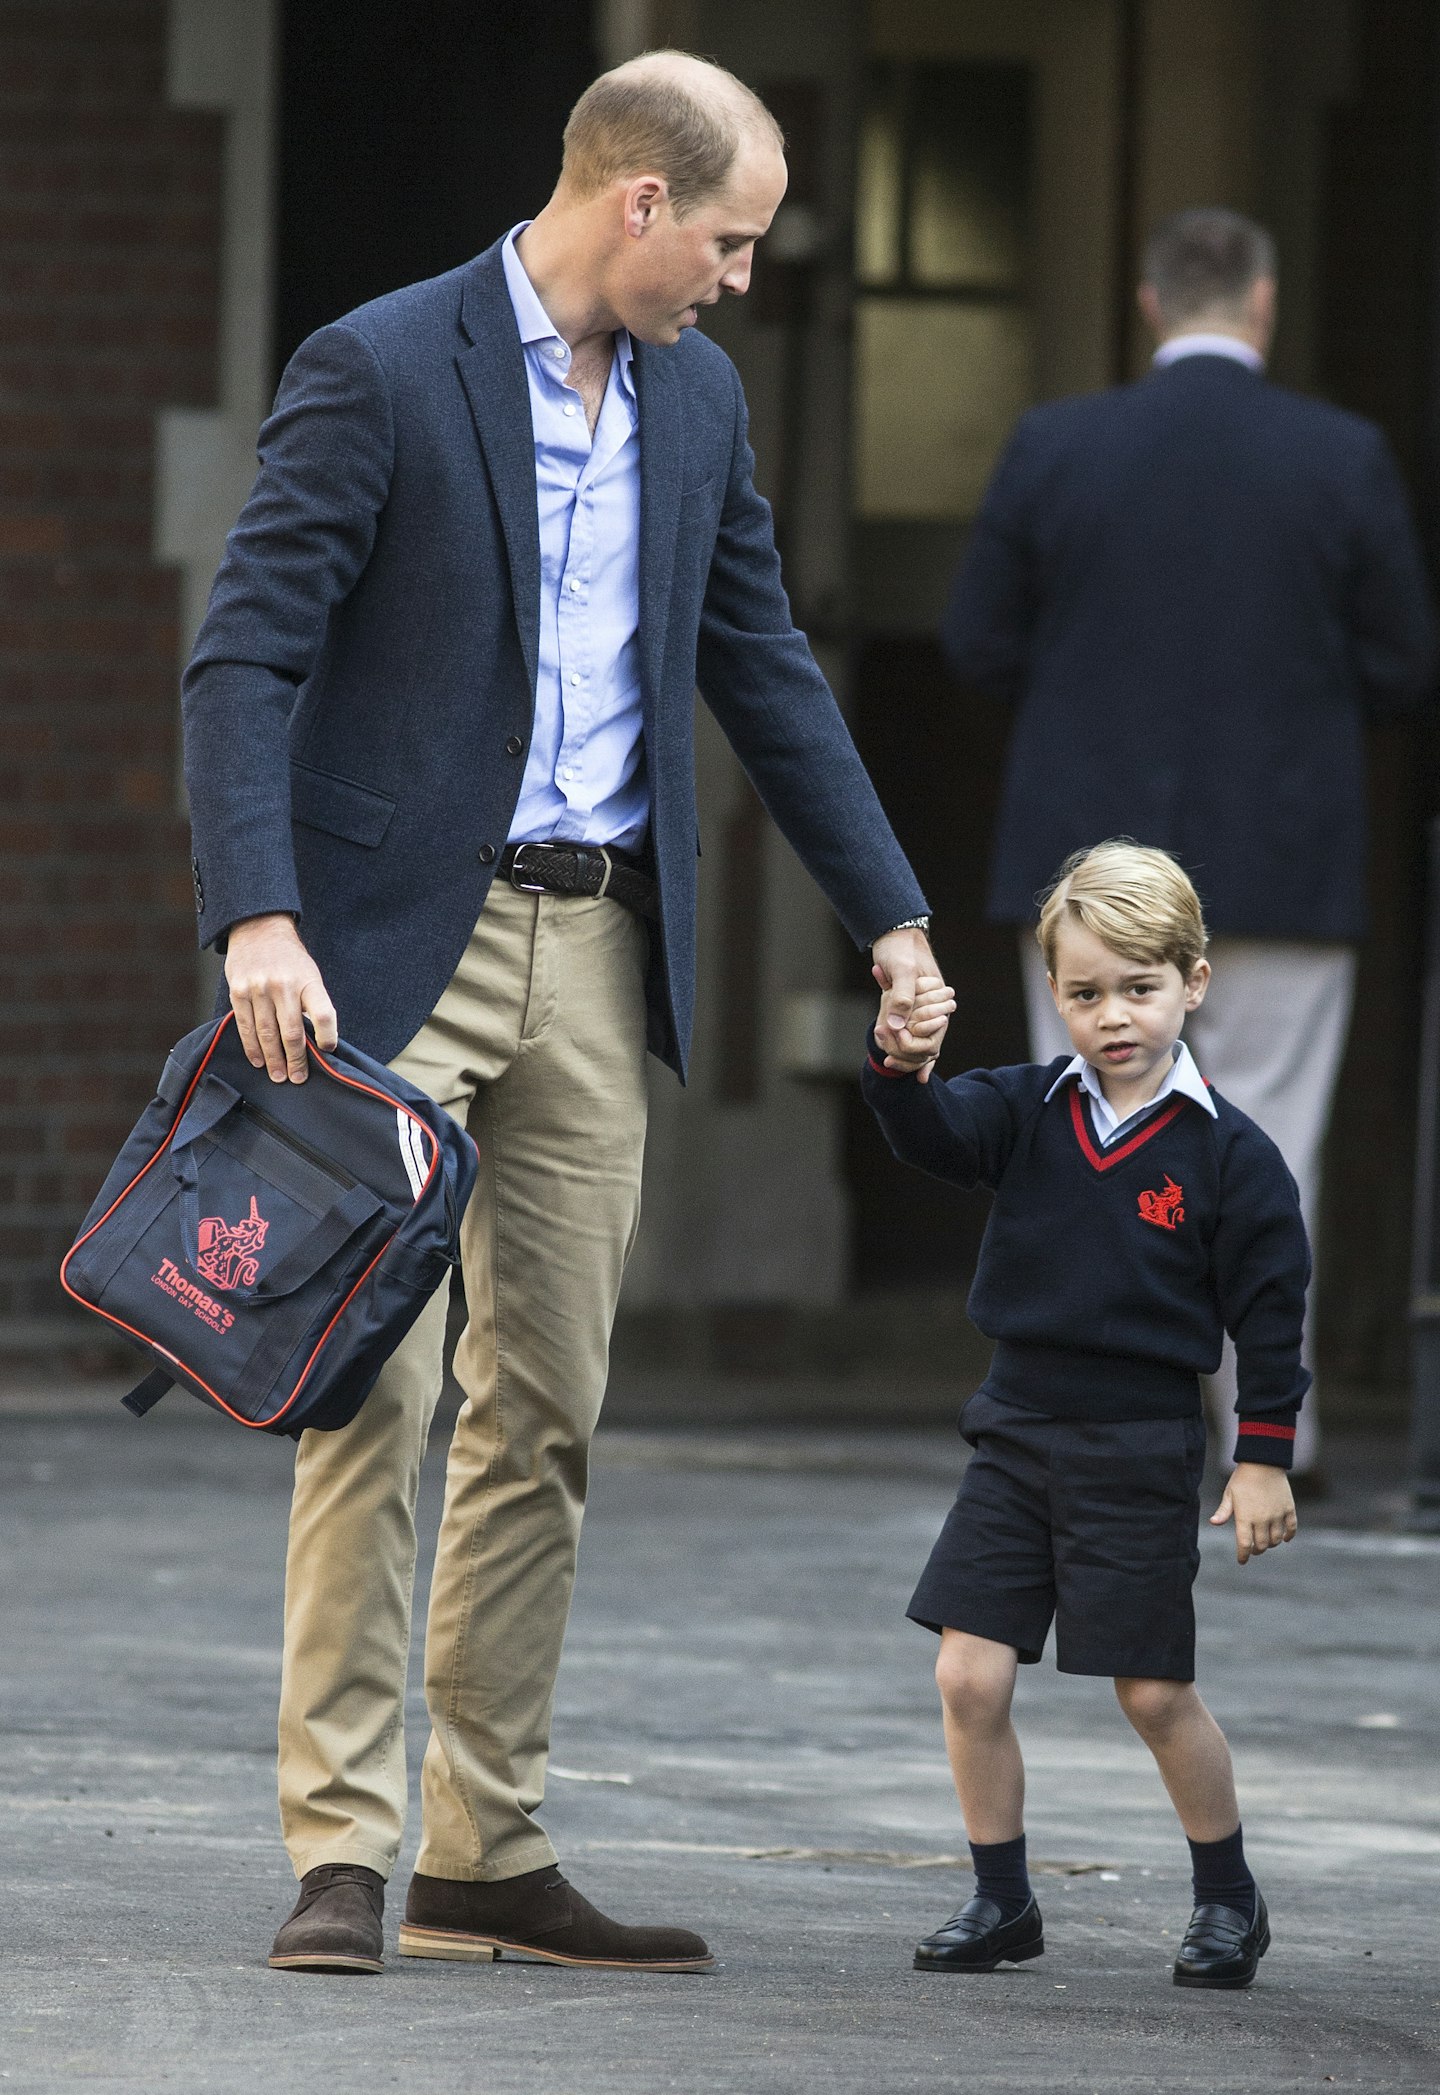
point(1221, 1947)
point(977, 1939)
point(336, 1924)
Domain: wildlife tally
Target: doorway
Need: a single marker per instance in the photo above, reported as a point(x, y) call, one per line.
point(410, 139)
point(984, 237)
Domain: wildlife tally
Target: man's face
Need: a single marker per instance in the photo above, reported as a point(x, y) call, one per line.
point(676, 265)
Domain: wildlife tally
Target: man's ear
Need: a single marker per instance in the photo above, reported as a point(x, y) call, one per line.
point(1149, 305)
point(1260, 311)
point(1054, 988)
point(1196, 984)
point(645, 197)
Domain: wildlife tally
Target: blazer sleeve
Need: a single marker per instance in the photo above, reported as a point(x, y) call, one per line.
point(961, 1128)
point(1392, 612)
point(1262, 1269)
point(298, 548)
point(758, 677)
point(987, 626)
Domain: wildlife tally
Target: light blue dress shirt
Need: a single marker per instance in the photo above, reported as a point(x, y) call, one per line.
point(585, 774)
point(1182, 1077)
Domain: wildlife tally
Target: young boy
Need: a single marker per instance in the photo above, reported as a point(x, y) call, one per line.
point(1137, 1216)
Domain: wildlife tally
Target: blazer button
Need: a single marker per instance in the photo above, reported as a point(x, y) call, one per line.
point(487, 854)
point(514, 746)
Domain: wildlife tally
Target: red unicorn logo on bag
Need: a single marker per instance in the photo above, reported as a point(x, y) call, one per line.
point(1166, 1210)
point(229, 1254)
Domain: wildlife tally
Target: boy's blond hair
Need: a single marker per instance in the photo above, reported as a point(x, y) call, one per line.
point(1138, 901)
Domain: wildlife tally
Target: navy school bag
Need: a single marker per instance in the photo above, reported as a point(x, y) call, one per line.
point(269, 1245)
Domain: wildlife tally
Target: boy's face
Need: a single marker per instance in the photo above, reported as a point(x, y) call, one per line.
point(1124, 1016)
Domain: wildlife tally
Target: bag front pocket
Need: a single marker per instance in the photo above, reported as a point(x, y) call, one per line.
point(259, 1214)
point(229, 1248)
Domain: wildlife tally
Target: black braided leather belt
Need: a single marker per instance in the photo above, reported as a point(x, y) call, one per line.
point(581, 869)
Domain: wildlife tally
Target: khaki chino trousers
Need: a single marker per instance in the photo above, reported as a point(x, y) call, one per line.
point(538, 1047)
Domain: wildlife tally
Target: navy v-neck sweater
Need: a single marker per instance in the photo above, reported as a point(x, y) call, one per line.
point(1108, 1277)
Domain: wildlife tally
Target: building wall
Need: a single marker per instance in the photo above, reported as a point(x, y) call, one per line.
point(109, 257)
point(137, 150)
point(1374, 345)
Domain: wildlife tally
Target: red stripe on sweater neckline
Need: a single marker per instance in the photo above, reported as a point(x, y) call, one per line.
point(1106, 1160)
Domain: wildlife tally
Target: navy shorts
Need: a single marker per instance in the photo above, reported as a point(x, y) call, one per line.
point(1093, 1525)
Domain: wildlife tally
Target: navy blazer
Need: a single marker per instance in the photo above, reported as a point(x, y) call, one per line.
point(358, 706)
point(1195, 587)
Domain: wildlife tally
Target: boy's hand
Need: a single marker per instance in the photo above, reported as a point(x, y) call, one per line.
point(924, 1029)
point(899, 958)
point(1258, 1496)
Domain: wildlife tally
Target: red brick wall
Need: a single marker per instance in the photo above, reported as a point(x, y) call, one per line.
point(109, 235)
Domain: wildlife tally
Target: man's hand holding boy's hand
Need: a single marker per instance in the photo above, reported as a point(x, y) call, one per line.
point(901, 957)
point(1258, 1496)
point(930, 1015)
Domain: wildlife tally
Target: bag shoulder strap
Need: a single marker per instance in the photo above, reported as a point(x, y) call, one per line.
point(147, 1394)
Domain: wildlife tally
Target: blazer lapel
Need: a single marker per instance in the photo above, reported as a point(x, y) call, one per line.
point(492, 371)
point(662, 466)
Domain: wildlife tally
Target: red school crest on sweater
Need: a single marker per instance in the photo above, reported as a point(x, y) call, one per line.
point(1165, 1209)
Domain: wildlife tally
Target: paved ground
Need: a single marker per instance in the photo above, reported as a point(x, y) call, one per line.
point(745, 1741)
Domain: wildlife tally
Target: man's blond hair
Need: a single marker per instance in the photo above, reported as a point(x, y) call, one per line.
point(666, 113)
point(1137, 901)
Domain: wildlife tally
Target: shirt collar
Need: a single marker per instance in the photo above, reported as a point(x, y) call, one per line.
point(1183, 1078)
point(1202, 344)
point(535, 324)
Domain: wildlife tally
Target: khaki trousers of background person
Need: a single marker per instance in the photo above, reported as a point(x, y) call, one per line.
point(538, 1046)
point(1270, 1036)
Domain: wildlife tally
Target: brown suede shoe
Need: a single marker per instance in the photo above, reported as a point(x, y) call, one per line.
point(336, 1922)
point(538, 1918)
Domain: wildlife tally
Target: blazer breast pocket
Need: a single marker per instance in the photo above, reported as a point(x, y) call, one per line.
point(339, 806)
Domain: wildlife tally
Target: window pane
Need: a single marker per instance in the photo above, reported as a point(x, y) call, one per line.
point(937, 390)
point(878, 182)
point(970, 161)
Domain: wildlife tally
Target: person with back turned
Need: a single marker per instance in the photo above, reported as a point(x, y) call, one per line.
point(1196, 589)
point(440, 749)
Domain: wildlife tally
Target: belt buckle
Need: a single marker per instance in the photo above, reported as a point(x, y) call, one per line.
point(581, 857)
point(527, 887)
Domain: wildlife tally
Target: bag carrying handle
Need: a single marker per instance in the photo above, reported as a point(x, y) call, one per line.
point(214, 1099)
point(214, 1102)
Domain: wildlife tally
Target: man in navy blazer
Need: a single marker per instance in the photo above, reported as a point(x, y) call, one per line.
point(439, 749)
point(1195, 589)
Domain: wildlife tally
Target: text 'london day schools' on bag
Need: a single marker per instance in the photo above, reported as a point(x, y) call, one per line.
point(269, 1245)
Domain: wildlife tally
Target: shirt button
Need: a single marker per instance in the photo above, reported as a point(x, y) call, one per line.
point(569, 410)
point(559, 350)
point(574, 585)
point(514, 746)
point(486, 854)
point(567, 773)
point(574, 680)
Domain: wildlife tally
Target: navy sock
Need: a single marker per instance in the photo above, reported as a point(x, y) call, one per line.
point(1220, 1874)
point(1001, 1875)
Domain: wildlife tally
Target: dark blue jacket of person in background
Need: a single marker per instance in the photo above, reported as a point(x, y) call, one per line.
point(358, 706)
point(1195, 588)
